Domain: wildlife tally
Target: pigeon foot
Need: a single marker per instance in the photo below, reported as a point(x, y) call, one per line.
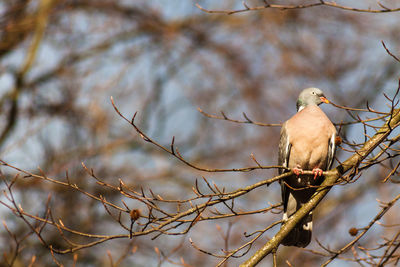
point(317, 172)
point(298, 170)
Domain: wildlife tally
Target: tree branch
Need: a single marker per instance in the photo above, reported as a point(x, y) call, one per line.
point(288, 6)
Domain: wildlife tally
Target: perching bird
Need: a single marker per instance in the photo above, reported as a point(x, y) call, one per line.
point(307, 142)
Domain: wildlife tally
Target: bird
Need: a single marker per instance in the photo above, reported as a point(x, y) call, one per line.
point(307, 142)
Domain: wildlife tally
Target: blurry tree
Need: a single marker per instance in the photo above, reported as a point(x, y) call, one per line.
point(82, 188)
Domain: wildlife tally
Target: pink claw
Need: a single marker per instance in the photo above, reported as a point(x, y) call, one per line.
point(297, 170)
point(317, 172)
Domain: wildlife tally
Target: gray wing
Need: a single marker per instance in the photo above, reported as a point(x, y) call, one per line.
point(284, 149)
point(331, 151)
point(283, 160)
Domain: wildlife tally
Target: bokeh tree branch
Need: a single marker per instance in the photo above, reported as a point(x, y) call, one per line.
point(83, 184)
point(322, 3)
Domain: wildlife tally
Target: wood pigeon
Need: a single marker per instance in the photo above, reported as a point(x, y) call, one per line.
point(307, 142)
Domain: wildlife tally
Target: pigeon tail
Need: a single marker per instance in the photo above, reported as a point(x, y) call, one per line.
point(300, 235)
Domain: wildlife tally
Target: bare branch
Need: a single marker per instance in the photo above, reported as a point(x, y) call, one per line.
point(302, 6)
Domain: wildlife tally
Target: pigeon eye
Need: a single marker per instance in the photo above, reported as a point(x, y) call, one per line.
point(313, 92)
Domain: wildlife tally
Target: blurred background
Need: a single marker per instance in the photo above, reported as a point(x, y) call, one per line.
point(61, 61)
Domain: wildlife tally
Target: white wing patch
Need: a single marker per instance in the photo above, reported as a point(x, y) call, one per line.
point(308, 226)
point(285, 217)
point(331, 151)
point(287, 147)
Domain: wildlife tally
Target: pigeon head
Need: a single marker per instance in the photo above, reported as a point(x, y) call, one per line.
point(310, 96)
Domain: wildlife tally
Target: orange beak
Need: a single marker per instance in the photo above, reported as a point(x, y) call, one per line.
point(323, 99)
